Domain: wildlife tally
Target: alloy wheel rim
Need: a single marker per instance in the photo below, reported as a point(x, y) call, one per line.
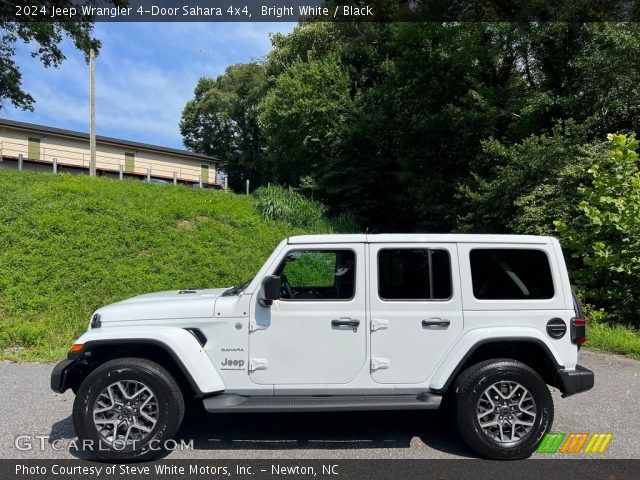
point(506, 412)
point(125, 413)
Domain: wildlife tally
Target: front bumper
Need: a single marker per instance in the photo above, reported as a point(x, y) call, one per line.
point(575, 381)
point(60, 376)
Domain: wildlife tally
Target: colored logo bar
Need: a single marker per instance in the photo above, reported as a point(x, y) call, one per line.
point(559, 442)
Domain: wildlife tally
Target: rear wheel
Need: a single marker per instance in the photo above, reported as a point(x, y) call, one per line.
point(128, 408)
point(502, 409)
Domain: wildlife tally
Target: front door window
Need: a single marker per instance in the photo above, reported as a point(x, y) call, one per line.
point(318, 275)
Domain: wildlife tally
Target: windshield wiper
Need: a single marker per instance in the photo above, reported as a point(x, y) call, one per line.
point(236, 290)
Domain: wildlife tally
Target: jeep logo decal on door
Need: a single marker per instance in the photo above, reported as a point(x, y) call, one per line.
point(229, 364)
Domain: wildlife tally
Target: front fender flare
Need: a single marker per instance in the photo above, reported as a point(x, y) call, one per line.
point(180, 344)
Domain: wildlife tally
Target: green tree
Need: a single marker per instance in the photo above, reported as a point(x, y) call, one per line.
point(605, 237)
point(413, 116)
point(305, 41)
point(527, 186)
point(304, 116)
point(575, 82)
point(586, 72)
point(397, 121)
point(222, 120)
point(45, 38)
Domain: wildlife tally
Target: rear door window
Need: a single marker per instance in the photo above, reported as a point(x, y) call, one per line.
point(414, 274)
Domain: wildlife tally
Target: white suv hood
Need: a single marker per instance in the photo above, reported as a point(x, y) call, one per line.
point(173, 304)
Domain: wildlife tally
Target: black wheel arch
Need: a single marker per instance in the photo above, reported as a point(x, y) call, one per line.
point(96, 352)
point(528, 350)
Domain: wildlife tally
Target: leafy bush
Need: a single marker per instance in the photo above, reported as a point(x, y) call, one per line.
point(282, 204)
point(605, 236)
point(524, 187)
point(345, 222)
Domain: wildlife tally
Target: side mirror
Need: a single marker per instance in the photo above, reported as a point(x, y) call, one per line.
point(271, 288)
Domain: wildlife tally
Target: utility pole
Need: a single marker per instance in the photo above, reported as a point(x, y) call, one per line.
point(92, 107)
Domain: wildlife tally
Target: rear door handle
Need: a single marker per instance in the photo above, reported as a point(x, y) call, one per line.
point(344, 322)
point(436, 322)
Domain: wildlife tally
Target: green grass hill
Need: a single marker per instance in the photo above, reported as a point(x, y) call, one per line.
point(70, 244)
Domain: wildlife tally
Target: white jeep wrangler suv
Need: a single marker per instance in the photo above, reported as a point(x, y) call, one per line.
point(343, 322)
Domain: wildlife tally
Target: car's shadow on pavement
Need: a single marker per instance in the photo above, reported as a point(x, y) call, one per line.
point(325, 431)
point(62, 431)
point(312, 431)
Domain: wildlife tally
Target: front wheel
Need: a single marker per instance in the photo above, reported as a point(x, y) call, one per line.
point(127, 409)
point(503, 408)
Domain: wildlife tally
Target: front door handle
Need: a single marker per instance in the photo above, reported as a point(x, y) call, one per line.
point(344, 322)
point(436, 322)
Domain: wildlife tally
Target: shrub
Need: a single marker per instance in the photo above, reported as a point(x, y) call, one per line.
point(524, 187)
point(345, 222)
point(605, 237)
point(286, 205)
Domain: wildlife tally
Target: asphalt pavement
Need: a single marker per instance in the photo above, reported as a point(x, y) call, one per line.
point(36, 423)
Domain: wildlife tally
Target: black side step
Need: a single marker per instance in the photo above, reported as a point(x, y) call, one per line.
point(238, 403)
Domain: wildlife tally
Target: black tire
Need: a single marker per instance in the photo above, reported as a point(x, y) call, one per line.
point(169, 411)
point(471, 385)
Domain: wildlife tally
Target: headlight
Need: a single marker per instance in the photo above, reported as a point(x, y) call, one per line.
point(95, 321)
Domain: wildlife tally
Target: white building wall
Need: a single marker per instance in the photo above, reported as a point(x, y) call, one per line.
point(71, 152)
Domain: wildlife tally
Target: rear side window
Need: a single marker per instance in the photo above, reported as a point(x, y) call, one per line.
point(511, 274)
point(414, 274)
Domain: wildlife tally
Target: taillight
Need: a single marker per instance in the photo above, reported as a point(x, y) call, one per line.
point(579, 330)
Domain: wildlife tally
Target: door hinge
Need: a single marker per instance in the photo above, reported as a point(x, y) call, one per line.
point(258, 364)
point(379, 324)
point(380, 363)
point(253, 326)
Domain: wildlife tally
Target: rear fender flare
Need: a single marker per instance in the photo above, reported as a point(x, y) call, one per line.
point(466, 345)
